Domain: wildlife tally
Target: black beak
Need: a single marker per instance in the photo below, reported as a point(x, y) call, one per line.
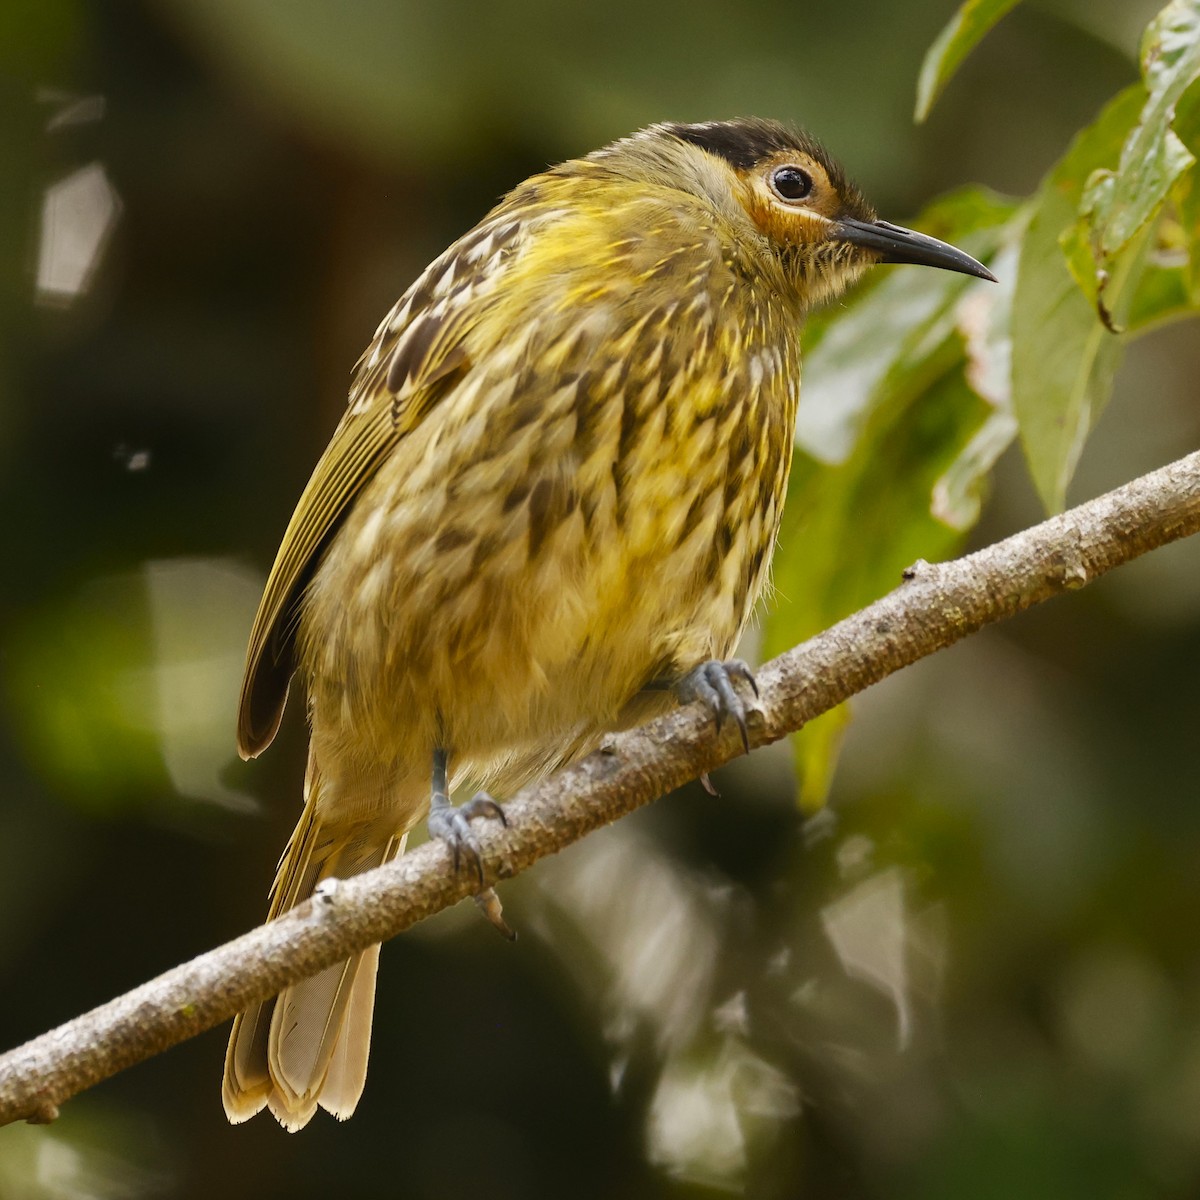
point(895, 244)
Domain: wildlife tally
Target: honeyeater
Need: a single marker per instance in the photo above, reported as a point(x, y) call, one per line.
point(548, 512)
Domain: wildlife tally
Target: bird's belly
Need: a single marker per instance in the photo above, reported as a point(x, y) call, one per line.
point(493, 602)
point(491, 653)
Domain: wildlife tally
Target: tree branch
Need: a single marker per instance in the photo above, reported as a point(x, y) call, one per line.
point(935, 607)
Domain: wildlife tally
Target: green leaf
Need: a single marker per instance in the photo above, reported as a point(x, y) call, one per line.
point(965, 30)
point(1164, 288)
point(985, 322)
point(845, 371)
point(904, 406)
point(1187, 127)
point(1082, 256)
point(1186, 122)
point(1189, 220)
point(850, 529)
point(1162, 295)
point(1119, 205)
point(893, 325)
point(957, 495)
point(815, 751)
point(1063, 356)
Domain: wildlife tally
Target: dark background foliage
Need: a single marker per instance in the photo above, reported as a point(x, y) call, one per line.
point(973, 974)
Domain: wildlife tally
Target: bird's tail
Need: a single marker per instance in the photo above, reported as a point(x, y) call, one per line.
point(308, 1046)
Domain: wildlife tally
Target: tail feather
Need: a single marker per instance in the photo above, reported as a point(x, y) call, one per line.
point(247, 1083)
point(308, 1046)
point(305, 1027)
point(348, 1067)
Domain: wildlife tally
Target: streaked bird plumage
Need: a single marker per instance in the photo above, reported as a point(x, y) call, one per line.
point(554, 493)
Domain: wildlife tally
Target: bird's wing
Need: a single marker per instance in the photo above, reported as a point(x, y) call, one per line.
point(416, 356)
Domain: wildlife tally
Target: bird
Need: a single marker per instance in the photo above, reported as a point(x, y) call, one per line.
point(547, 513)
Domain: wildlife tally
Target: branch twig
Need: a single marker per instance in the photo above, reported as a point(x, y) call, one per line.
point(935, 607)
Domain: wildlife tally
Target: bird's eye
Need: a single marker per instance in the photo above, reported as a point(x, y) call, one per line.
point(791, 183)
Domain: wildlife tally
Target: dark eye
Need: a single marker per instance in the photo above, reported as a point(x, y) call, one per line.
point(791, 183)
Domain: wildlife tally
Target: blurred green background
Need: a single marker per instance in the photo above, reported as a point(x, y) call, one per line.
point(974, 974)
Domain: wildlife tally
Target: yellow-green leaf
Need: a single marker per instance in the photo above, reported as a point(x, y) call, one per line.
point(1118, 205)
point(1063, 356)
point(964, 32)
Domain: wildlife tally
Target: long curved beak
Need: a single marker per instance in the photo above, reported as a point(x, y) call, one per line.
point(895, 244)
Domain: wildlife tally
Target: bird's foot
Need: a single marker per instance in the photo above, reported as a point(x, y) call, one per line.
point(712, 684)
point(451, 824)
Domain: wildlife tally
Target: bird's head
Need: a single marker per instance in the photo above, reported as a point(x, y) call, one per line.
point(787, 198)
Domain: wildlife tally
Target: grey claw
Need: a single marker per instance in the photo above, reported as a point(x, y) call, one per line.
point(482, 805)
point(735, 666)
point(453, 826)
point(712, 683)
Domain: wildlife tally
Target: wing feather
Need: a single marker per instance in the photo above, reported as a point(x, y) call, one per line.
point(415, 358)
